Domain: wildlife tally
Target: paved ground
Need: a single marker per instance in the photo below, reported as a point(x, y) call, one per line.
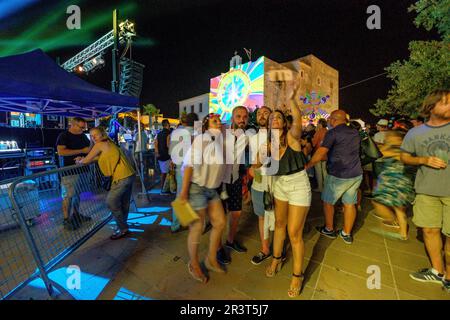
point(152, 263)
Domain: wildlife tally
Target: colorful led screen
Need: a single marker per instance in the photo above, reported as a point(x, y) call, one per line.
point(241, 86)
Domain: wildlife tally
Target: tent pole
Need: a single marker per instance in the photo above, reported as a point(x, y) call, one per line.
point(141, 162)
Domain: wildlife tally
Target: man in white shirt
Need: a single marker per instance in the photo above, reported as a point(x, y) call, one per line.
point(382, 127)
point(235, 172)
point(260, 182)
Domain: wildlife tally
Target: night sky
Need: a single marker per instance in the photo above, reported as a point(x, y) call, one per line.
point(189, 42)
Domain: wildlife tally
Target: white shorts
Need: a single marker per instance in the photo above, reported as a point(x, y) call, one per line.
point(294, 189)
point(164, 166)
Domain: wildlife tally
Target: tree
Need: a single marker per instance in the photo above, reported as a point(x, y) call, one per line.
point(426, 69)
point(152, 111)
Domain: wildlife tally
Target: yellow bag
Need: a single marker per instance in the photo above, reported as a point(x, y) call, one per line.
point(184, 212)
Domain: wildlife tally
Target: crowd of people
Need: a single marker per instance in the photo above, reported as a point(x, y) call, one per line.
point(402, 164)
point(396, 167)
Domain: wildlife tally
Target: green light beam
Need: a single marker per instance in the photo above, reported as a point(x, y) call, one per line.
point(41, 26)
point(99, 21)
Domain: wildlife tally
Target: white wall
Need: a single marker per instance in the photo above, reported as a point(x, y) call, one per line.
point(195, 102)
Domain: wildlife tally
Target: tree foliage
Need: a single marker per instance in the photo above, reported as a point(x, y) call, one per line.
point(428, 66)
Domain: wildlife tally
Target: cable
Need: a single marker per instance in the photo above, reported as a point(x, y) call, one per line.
point(355, 83)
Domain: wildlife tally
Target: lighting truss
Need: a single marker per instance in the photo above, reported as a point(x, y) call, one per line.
point(126, 32)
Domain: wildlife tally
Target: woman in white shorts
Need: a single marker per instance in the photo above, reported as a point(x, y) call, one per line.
point(292, 193)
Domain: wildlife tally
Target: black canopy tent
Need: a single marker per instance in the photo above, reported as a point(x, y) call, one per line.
point(32, 82)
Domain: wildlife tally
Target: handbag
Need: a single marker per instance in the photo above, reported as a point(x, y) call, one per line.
point(107, 181)
point(184, 212)
point(173, 182)
point(268, 199)
point(369, 151)
point(170, 184)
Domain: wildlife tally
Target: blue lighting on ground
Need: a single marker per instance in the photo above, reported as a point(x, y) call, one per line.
point(154, 191)
point(136, 218)
point(165, 223)
point(154, 209)
point(136, 230)
point(125, 294)
point(90, 285)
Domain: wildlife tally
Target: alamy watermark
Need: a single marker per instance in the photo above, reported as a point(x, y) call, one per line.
point(374, 280)
point(374, 20)
point(74, 20)
point(73, 281)
point(227, 147)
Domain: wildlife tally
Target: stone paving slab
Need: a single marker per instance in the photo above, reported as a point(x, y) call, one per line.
point(152, 263)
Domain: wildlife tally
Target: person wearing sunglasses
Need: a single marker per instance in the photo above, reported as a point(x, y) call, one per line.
point(71, 144)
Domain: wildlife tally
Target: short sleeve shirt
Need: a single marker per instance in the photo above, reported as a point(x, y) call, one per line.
point(428, 141)
point(343, 144)
point(73, 142)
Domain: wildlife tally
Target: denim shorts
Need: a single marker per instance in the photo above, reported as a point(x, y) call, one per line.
point(258, 202)
point(199, 197)
point(336, 188)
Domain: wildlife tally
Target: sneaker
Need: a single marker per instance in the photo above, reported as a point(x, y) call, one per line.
point(223, 256)
point(260, 257)
point(71, 224)
point(81, 218)
point(446, 285)
point(327, 233)
point(348, 238)
point(119, 234)
point(427, 275)
point(236, 246)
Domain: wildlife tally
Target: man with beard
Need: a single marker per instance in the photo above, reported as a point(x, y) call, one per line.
point(236, 170)
point(428, 147)
point(260, 183)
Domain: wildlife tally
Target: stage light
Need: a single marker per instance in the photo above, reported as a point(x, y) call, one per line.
point(80, 69)
point(94, 64)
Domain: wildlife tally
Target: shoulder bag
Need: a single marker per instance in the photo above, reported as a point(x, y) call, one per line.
point(107, 181)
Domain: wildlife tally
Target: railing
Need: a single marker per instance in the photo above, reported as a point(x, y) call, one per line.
point(34, 237)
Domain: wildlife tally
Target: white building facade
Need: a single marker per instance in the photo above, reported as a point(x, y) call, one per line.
point(198, 104)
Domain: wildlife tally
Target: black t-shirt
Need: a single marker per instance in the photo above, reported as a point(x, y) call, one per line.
point(163, 148)
point(72, 142)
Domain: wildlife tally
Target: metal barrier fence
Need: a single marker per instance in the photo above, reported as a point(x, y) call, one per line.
point(34, 237)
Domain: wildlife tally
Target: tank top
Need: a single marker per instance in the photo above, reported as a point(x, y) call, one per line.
point(291, 162)
point(108, 160)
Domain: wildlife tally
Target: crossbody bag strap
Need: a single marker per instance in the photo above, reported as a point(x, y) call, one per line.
point(118, 161)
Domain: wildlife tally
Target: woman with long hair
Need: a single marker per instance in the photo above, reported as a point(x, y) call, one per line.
point(114, 163)
point(292, 192)
point(204, 170)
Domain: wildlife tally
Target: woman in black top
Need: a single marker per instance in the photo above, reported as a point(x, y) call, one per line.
point(292, 192)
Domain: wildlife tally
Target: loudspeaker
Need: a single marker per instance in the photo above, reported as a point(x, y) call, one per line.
point(131, 77)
